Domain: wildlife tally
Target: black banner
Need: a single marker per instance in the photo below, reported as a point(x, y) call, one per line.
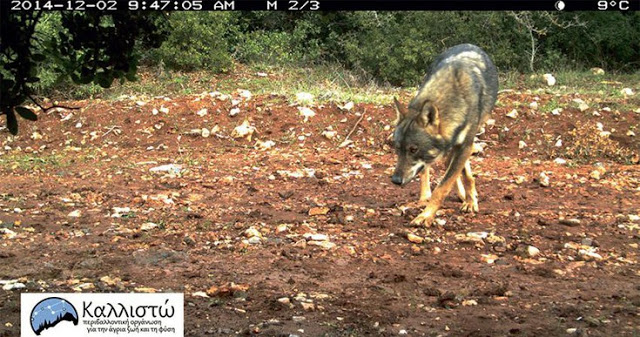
point(321, 5)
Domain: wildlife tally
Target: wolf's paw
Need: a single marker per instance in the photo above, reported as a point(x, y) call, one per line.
point(469, 207)
point(416, 204)
point(423, 219)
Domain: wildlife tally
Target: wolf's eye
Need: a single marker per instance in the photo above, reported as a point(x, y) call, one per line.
point(413, 149)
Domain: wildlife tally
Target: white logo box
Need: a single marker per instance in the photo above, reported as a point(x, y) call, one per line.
point(103, 314)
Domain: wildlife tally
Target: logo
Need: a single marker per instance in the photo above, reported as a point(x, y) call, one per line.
point(101, 314)
point(51, 311)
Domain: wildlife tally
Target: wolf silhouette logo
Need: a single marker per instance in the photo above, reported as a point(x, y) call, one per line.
point(51, 311)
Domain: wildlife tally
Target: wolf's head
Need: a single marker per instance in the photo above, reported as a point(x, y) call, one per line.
point(417, 140)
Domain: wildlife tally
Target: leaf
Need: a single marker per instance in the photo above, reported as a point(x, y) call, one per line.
point(38, 57)
point(26, 113)
point(32, 79)
point(12, 122)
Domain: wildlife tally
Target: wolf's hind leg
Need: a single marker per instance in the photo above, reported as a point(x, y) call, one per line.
point(470, 203)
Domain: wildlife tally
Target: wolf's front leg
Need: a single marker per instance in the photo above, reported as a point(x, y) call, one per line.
point(460, 155)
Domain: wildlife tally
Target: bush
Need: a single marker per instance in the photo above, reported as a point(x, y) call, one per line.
point(197, 41)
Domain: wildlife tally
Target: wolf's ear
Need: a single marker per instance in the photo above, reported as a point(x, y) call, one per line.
point(430, 116)
point(401, 112)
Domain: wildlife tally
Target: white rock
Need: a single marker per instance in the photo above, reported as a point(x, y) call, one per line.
point(544, 179)
point(532, 251)
point(597, 71)
point(13, 285)
point(513, 114)
point(205, 132)
point(522, 144)
point(246, 94)
point(171, 168)
point(75, 214)
point(583, 106)
point(306, 113)
point(200, 294)
point(265, 145)
point(560, 161)
point(556, 111)
point(533, 105)
point(147, 226)
point(254, 240)
point(316, 237)
point(164, 110)
point(202, 112)
point(329, 134)
point(243, 130)
point(627, 92)
point(259, 74)
point(7, 233)
point(252, 232)
point(558, 143)
point(551, 81)
point(631, 133)
point(234, 112)
point(304, 98)
point(346, 107)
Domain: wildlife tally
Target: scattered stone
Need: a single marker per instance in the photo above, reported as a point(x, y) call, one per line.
point(147, 226)
point(282, 228)
point(533, 105)
point(414, 238)
point(583, 106)
point(234, 112)
point(298, 318)
point(252, 232)
point(316, 237)
point(304, 98)
point(200, 294)
point(243, 130)
point(627, 92)
point(306, 113)
point(533, 251)
point(75, 214)
point(469, 303)
point(202, 112)
point(570, 222)
point(551, 81)
point(318, 211)
point(560, 161)
point(513, 114)
point(597, 71)
point(285, 301)
point(205, 133)
point(630, 133)
point(323, 244)
point(346, 107)
point(522, 144)
point(556, 111)
point(544, 179)
point(308, 306)
point(7, 233)
point(488, 258)
point(589, 255)
point(329, 134)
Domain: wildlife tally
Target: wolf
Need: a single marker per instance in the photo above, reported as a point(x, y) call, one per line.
point(441, 121)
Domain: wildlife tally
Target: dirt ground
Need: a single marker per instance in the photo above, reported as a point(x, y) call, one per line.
point(307, 238)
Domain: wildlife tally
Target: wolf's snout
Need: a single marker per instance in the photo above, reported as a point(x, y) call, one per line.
point(396, 179)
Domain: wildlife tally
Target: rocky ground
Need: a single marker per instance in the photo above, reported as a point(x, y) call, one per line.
point(250, 206)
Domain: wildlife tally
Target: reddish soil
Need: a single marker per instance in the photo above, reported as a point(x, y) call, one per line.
point(374, 281)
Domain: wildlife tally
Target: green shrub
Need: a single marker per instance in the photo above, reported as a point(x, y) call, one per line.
point(197, 41)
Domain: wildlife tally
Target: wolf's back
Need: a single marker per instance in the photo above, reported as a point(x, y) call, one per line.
point(462, 72)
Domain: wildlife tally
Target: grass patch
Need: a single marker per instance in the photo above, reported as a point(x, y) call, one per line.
point(32, 162)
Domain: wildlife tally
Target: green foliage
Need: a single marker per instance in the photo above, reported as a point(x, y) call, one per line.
point(196, 42)
point(87, 46)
